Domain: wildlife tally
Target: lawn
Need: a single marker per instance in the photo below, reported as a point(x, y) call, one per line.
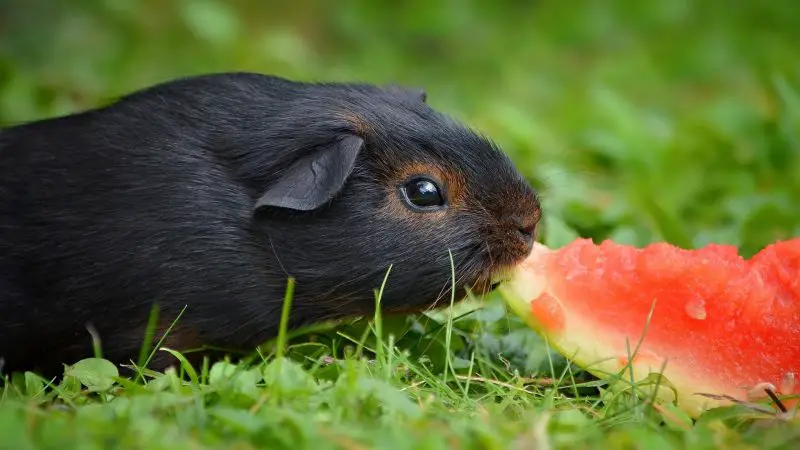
point(637, 121)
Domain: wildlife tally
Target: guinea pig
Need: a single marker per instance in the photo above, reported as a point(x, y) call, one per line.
point(204, 194)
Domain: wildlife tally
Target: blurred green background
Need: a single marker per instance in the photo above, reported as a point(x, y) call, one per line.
point(638, 121)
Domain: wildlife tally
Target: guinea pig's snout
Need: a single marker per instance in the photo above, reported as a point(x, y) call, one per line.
point(510, 242)
point(526, 232)
point(522, 230)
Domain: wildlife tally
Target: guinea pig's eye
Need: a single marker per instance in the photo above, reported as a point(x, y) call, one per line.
point(422, 193)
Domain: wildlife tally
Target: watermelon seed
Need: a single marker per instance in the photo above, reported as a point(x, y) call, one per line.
point(755, 393)
point(696, 309)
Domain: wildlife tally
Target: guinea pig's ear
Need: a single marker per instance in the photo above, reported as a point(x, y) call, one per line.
point(314, 179)
point(413, 94)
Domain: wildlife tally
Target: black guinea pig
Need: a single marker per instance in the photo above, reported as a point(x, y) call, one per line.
point(208, 192)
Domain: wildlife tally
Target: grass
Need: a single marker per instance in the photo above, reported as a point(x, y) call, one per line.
point(374, 396)
point(638, 122)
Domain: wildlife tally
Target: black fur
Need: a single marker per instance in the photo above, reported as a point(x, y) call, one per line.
point(173, 195)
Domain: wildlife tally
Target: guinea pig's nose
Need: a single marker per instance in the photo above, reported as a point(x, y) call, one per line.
point(527, 234)
point(525, 229)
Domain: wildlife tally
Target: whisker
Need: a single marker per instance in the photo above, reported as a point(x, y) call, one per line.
point(462, 272)
point(469, 260)
point(277, 257)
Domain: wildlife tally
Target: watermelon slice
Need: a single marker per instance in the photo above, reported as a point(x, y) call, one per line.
point(708, 320)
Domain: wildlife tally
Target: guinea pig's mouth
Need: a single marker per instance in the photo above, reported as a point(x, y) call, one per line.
point(490, 281)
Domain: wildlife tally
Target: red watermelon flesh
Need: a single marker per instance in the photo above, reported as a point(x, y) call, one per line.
point(724, 325)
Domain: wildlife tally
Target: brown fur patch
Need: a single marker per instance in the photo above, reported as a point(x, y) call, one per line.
point(180, 337)
point(452, 184)
point(183, 338)
point(360, 126)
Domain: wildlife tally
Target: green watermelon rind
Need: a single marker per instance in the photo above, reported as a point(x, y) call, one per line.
point(592, 354)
